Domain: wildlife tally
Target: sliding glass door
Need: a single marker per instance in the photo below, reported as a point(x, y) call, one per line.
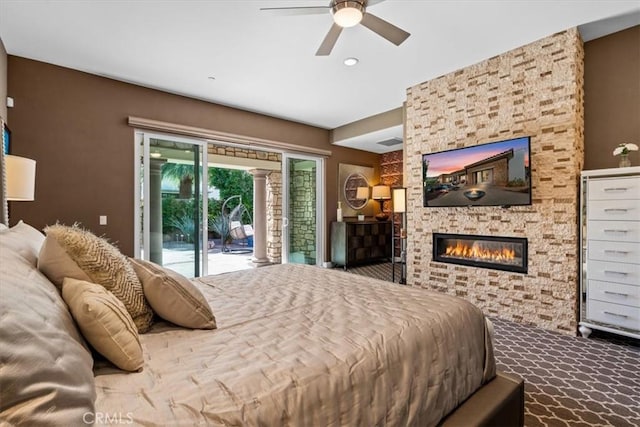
point(169, 214)
point(303, 203)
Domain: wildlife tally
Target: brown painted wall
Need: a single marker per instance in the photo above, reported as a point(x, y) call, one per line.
point(611, 97)
point(74, 125)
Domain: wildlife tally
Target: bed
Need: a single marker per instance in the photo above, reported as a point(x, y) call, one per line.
point(294, 345)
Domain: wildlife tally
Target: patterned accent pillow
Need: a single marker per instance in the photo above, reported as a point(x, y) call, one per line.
point(104, 322)
point(101, 263)
point(173, 297)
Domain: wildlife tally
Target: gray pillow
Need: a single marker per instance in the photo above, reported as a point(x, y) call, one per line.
point(46, 375)
point(23, 239)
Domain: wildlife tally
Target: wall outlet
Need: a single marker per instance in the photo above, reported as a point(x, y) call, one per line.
point(103, 220)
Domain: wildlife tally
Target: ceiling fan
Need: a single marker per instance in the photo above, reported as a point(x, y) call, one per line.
point(347, 13)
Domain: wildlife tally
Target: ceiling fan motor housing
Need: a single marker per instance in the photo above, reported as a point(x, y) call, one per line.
point(347, 13)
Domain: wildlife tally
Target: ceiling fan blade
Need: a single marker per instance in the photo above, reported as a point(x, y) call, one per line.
point(302, 10)
point(373, 2)
point(329, 40)
point(385, 29)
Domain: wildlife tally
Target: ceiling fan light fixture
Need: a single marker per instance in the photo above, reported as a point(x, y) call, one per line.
point(347, 13)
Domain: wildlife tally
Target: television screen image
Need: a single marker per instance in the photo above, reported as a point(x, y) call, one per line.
point(493, 174)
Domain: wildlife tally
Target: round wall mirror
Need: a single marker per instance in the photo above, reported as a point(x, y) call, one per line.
point(351, 185)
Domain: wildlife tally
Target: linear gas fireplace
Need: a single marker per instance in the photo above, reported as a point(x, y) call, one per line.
point(499, 253)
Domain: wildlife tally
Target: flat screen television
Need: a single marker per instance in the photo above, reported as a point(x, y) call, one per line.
point(492, 174)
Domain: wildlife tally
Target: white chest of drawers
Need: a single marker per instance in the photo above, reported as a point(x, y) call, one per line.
point(610, 251)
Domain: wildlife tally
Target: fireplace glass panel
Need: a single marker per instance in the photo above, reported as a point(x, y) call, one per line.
point(500, 253)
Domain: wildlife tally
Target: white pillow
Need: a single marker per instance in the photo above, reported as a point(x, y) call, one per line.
point(23, 239)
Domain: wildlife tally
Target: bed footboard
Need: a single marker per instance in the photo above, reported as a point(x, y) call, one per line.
point(500, 402)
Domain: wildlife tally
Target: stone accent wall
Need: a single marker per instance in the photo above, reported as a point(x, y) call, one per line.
point(274, 194)
point(274, 217)
point(223, 150)
point(303, 218)
point(537, 91)
point(391, 170)
point(391, 174)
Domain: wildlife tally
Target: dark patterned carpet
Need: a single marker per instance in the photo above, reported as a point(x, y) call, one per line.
point(569, 381)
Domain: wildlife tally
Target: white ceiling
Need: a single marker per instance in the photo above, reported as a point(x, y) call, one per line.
point(266, 63)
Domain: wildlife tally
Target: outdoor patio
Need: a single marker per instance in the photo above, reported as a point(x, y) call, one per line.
point(179, 257)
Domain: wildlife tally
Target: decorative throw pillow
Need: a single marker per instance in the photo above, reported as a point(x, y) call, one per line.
point(173, 297)
point(104, 322)
point(98, 262)
point(56, 264)
point(23, 239)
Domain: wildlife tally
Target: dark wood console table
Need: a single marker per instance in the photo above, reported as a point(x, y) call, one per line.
point(360, 242)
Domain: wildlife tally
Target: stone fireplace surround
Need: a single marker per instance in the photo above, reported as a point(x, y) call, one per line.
point(537, 91)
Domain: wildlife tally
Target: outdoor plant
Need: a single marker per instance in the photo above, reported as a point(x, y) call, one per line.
point(518, 182)
point(172, 209)
point(182, 174)
point(185, 226)
point(220, 226)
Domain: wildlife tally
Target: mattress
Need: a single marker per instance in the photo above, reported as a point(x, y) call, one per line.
point(301, 345)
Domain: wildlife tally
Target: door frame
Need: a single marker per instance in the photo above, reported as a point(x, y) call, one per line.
point(320, 205)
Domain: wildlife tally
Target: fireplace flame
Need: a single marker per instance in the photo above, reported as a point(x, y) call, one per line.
point(476, 251)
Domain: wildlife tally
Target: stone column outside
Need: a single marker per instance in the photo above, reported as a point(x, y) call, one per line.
point(260, 216)
point(155, 210)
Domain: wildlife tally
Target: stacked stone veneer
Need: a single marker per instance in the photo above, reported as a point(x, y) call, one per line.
point(536, 91)
point(274, 217)
point(303, 219)
point(391, 172)
point(274, 194)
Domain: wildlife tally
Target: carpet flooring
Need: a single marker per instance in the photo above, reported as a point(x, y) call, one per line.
point(569, 381)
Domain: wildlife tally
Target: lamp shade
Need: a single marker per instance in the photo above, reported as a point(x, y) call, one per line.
point(381, 192)
point(21, 178)
point(399, 200)
point(362, 193)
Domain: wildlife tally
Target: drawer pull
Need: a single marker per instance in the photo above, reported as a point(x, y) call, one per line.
point(616, 231)
point(620, 273)
point(620, 294)
point(615, 210)
point(615, 314)
point(616, 189)
point(609, 251)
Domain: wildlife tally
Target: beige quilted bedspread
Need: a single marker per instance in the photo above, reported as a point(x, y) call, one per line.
point(304, 346)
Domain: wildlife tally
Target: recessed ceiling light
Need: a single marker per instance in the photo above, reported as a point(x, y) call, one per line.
point(155, 154)
point(350, 62)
